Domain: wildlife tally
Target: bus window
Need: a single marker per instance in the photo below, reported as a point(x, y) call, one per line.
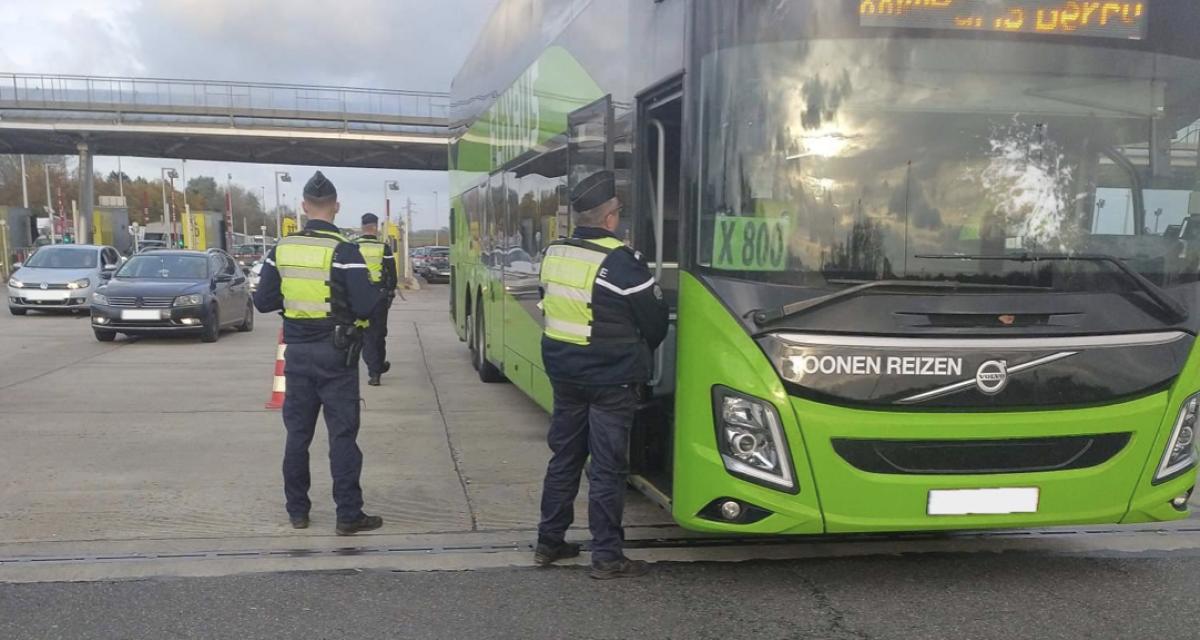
point(589, 144)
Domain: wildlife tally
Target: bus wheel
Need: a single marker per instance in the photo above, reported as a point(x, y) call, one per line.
point(487, 371)
point(471, 348)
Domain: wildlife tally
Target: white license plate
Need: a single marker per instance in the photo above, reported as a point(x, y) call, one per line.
point(141, 314)
point(968, 502)
point(45, 296)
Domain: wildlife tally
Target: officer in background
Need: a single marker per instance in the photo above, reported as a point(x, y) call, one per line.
point(604, 315)
point(381, 268)
point(319, 280)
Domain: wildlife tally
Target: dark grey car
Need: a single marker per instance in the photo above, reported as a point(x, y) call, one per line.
point(174, 291)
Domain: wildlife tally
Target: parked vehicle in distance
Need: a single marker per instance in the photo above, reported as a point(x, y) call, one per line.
point(60, 277)
point(253, 273)
point(247, 254)
point(435, 264)
point(151, 245)
point(417, 258)
point(174, 291)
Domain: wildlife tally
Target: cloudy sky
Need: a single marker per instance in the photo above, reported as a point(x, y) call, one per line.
point(390, 44)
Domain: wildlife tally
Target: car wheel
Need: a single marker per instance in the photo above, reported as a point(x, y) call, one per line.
point(212, 325)
point(104, 335)
point(248, 323)
point(17, 312)
point(488, 372)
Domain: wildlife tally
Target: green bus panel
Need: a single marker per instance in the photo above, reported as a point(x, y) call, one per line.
point(835, 497)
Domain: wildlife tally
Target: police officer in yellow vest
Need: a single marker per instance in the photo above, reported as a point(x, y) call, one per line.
point(381, 267)
point(319, 280)
point(604, 315)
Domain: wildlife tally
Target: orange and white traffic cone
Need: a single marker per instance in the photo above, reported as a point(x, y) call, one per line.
point(279, 387)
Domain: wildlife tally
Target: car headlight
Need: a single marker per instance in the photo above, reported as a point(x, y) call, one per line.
point(1181, 448)
point(751, 441)
point(81, 283)
point(16, 284)
point(99, 298)
point(193, 300)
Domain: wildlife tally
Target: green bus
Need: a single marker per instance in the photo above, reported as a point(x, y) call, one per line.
point(932, 264)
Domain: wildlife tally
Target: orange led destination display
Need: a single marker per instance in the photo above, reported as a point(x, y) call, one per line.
point(1126, 20)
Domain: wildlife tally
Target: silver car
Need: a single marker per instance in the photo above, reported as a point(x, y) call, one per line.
point(60, 277)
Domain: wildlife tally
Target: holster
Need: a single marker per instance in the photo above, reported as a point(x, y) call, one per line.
point(348, 338)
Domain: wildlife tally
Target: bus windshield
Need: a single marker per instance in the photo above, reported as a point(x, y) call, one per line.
point(829, 163)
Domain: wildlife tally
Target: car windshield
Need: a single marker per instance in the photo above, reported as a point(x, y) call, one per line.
point(439, 253)
point(164, 267)
point(63, 258)
point(829, 163)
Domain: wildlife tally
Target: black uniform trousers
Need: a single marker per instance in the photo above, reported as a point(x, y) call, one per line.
point(587, 421)
point(318, 379)
point(375, 340)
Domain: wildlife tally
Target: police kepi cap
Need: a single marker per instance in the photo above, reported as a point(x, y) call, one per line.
point(370, 218)
point(594, 191)
point(319, 189)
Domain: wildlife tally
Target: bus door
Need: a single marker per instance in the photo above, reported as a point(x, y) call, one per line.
point(657, 197)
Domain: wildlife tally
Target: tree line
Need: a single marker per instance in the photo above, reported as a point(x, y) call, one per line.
point(143, 197)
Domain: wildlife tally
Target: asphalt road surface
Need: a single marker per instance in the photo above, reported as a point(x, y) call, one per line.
point(977, 596)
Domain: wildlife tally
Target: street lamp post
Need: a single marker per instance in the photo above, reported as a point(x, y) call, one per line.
point(437, 221)
point(168, 219)
point(388, 185)
point(284, 177)
point(229, 229)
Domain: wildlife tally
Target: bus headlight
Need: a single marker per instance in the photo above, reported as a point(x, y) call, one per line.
point(751, 441)
point(1181, 448)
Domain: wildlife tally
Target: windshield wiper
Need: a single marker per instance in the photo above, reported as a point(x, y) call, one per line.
point(1174, 309)
point(767, 316)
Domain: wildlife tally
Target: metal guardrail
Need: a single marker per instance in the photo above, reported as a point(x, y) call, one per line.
point(233, 99)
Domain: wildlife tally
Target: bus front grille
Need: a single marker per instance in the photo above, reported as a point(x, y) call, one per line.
point(974, 457)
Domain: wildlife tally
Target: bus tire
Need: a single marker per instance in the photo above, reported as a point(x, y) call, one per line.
point(470, 321)
point(488, 372)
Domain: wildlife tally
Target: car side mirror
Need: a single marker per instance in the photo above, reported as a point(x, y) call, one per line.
point(239, 280)
point(223, 277)
point(18, 265)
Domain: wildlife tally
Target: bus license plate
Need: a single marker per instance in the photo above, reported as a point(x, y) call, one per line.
point(967, 502)
point(141, 314)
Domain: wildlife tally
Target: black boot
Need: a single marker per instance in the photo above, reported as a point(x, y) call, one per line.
point(299, 522)
point(365, 523)
point(547, 554)
point(374, 380)
point(622, 568)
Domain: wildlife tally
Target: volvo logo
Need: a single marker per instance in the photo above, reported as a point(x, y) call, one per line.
point(992, 377)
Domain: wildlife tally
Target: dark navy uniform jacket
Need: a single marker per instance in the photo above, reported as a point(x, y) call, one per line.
point(625, 301)
point(349, 278)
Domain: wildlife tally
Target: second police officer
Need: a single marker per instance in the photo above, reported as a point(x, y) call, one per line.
point(604, 315)
point(319, 280)
point(381, 268)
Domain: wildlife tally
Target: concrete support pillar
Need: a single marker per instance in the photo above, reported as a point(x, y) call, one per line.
point(87, 190)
